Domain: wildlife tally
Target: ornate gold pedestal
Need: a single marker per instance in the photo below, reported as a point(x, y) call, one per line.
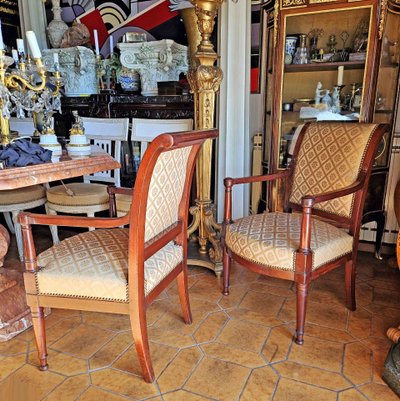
point(204, 79)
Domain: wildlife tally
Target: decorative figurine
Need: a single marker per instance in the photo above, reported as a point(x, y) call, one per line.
point(336, 99)
point(326, 100)
point(318, 94)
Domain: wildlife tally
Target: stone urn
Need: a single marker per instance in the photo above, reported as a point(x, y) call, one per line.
point(56, 27)
point(77, 67)
point(156, 61)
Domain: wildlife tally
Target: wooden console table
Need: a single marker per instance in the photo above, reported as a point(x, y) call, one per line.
point(14, 313)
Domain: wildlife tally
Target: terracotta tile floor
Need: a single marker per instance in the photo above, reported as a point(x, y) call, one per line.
point(238, 348)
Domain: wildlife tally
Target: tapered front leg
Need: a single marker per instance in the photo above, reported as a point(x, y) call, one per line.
point(227, 266)
point(184, 296)
point(350, 284)
point(301, 306)
point(40, 336)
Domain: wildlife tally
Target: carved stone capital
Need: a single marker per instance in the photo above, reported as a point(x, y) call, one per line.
point(155, 61)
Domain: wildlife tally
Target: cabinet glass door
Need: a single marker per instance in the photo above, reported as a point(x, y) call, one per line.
point(387, 85)
point(324, 56)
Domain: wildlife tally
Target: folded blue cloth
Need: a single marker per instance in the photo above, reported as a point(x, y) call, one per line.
point(23, 152)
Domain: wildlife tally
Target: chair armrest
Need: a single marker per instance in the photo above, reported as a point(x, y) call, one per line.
point(310, 200)
point(26, 219)
point(229, 182)
point(119, 190)
point(307, 203)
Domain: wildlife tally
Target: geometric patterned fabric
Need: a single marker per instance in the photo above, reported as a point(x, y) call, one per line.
point(271, 240)
point(123, 203)
point(165, 191)
point(22, 195)
point(330, 158)
point(94, 265)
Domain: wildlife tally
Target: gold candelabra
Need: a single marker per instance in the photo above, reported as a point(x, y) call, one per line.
point(20, 81)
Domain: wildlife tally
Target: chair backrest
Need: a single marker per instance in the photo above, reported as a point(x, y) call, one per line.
point(329, 156)
point(108, 134)
point(144, 130)
point(24, 126)
point(162, 186)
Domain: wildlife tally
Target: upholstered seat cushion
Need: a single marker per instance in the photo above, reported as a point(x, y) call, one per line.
point(94, 265)
point(271, 239)
point(22, 195)
point(123, 203)
point(85, 194)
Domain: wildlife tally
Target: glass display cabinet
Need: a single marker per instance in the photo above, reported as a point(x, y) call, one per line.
point(333, 60)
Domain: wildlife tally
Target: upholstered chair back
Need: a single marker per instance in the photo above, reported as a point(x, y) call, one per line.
point(328, 157)
point(163, 184)
point(166, 190)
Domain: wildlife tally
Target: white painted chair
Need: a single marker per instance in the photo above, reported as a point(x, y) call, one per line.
point(24, 126)
point(15, 201)
point(144, 130)
point(90, 196)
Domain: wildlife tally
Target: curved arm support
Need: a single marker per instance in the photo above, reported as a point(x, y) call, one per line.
point(310, 200)
point(257, 178)
point(72, 221)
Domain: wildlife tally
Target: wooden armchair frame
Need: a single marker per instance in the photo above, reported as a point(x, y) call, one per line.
point(139, 251)
point(303, 273)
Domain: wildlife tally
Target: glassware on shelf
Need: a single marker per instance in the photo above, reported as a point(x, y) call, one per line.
point(301, 56)
point(332, 43)
point(314, 34)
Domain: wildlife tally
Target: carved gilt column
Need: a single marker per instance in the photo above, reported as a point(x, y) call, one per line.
point(204, 79)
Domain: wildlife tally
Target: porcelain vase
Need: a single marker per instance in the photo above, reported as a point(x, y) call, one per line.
point(56, 27)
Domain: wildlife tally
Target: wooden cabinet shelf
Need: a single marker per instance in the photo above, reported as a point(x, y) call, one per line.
point(348, 65)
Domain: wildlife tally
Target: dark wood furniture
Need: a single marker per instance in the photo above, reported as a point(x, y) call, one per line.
point(14, 313)
point(148, 256)
point(124, 106)
point(328, 179)
point(374, 75)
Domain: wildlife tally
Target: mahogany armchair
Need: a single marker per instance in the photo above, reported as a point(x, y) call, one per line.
point(120, 270)
point(325, 185)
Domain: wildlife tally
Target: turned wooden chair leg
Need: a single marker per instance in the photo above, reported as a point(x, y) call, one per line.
point(301, 306)
point(40, 335)
point(184, 296)
point(139, 331)
point(350, 284)
point(226, 265)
